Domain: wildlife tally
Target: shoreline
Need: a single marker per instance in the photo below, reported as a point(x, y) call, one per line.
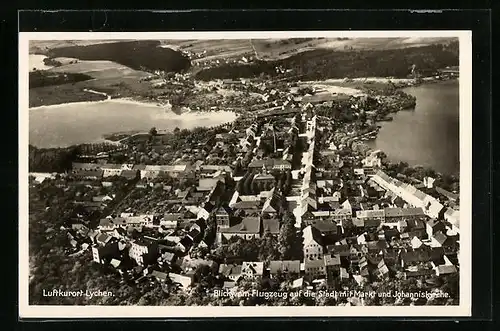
point(381, 123)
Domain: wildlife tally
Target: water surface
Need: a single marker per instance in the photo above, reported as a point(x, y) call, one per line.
point(83, 122)
point(429, 134)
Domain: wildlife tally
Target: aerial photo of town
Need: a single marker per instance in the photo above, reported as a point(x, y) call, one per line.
point(244, 172)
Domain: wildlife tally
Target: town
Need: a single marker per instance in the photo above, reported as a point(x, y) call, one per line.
point(282, 199)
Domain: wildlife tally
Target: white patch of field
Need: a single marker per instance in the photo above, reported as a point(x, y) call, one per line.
point(43, 46)
point(66, 60)
point(36, 62)
point(323, 86)
point(366, 80)
point(227, 92)
point(99, 69)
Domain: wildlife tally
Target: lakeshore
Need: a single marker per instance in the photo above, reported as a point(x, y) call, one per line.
point(427, 135)
point(69, 124)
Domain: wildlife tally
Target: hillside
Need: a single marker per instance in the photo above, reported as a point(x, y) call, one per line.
point(324, 63)
point(141, 54)
point(276, 49)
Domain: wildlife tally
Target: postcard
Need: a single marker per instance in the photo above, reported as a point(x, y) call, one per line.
point(245, 174)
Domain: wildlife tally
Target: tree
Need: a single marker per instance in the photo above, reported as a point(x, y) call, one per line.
point(286, 236)
point(247, 185)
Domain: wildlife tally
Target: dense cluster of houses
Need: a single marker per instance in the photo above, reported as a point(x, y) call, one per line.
point(382, 228)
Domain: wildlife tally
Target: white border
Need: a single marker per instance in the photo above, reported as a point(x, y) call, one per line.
point(463, 309)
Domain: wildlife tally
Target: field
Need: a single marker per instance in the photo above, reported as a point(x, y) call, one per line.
point(44, 46)
point(106, 76)
point(117, 68)
point(323, 63)
point(275, 49)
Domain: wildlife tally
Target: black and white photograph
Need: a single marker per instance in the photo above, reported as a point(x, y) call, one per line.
point(245, 173)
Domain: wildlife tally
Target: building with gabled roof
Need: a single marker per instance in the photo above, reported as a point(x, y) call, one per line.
point(272, 204)
point(438, 239)
point(231, 271)
point(270, 226)
point(248, 228)
point(223, 216)
point(312, 243)
point(252, 269)
point(314, 268)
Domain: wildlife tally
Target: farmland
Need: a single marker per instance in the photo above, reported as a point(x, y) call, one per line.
point(119, 69)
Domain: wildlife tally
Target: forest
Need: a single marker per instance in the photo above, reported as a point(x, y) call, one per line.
point(51, 159)
point(134, 54)
point(43, 78)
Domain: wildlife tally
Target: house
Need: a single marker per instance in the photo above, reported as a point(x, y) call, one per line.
point(143, 251)
point(284, 267)
point(105, 253)
point(102, 239)
point(89, 174)
point(159, 276)
point(344, 275)
point(298, 283)
point(332, 266)
point(416, 227)
point(115, 263)
point(194, 234)
point(207, 184)
point(120, 233)
point(438, 239)
point(312, 243)
point(314, 268)
point(248, 228)
point(415, 243)
point(376, 246)
point(394, 215)
point(247, 206)
point(184, 281)
point(360, 280)
point(270, 226)
point(382, 271)
point(222, 217)
point(271, 205)
point(252, 269)
point(110, 170)
point(185, 244)
point(203, 213)
point(342, 214)
point(414, 257)
point(166, 258)
point(434, 226)
point(371, 214)
point(170, 220)
point(230, 271)
point(418, 272)
point(189, 265)
point(445, 269)
point(402, 225)
point(271, 164)
point(327, 228)
point(264, 180)
point(371, 224)
point(453, 217)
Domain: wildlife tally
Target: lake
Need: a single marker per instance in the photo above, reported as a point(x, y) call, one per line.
point(427, 135)
point(82, 122)
point(36, 62)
